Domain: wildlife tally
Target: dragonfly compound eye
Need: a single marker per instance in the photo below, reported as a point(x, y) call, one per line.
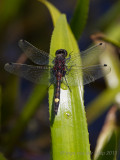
point(61, 51)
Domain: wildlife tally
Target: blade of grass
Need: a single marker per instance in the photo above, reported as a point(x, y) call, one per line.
point(68, 128)
point(55, 13)
point(107, 144)
point(79, 18)
point(101, 103)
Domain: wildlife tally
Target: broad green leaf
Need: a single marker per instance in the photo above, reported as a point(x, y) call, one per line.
point(53, 10)
point(79, 18)
point(69, 132)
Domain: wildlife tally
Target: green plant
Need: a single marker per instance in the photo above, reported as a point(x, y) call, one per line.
point(69, 132)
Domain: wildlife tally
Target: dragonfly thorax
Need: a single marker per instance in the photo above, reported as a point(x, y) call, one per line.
point(59, 64)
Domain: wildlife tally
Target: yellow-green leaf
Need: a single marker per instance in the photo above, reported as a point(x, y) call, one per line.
point(68, 128)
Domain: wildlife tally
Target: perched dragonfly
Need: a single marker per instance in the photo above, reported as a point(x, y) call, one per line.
point(58, 69)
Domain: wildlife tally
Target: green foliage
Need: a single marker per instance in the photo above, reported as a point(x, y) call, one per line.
point(79, 18)
point(55, 13)
point(68, 128)
point(99, 105)
point(108, 148)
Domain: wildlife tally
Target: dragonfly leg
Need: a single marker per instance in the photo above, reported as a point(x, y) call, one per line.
point(67, 84)
point(50, 85)
point(68, 59)
point(68, 69)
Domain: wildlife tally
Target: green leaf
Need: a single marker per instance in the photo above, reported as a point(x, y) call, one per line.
point(53, 11)
point(79, 18)
point(101, 103)
point(68, 128)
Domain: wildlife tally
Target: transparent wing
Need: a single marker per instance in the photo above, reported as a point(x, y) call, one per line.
point(35, 74)
point(93, 73)
point(89, 56)
point(90, 74)
point(37, 56)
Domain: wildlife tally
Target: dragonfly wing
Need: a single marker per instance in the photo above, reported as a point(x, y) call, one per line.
point(35, 74)
point(72, 77)
point(90, 55)
point(95, 72)
point(37, 56)
point(90, 74)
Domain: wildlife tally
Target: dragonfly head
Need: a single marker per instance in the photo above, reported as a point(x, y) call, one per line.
point(61, 52)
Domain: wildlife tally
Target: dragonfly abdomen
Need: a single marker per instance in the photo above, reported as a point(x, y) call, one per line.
point(57, 96)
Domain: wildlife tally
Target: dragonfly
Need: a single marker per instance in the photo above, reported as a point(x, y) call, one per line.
point(61, 68)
